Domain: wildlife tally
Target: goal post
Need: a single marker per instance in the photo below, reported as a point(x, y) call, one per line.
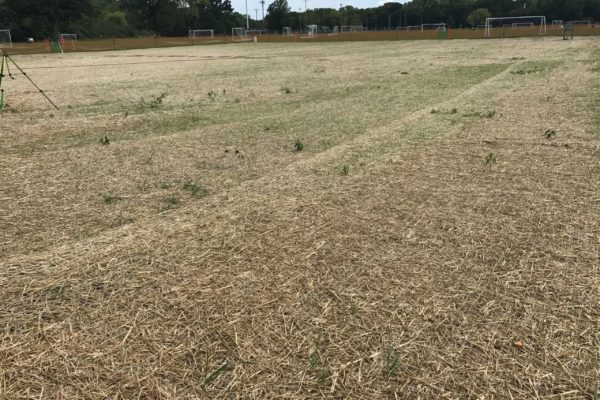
point(312, 30)
point(68, 40)
point(509, 21)
point(238, 33)
point(287, 31)
point(5, 38)
point(201, 33)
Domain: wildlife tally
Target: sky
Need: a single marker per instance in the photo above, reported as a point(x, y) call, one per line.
point(296, 5)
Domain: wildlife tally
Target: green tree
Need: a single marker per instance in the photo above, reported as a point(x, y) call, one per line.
point(478, 16)
point(211, 14)
point(278, 15)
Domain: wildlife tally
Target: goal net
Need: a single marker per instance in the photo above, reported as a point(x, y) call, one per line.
point(353, 28)
point(253, 32)
point(5, 38)
point(238, 33)
point(516, 25)
point(533, 20)
point(312, 30)
point(287, 31)
point(68, 40)
point(202, 33)
point(433, 26)
point(582, 22)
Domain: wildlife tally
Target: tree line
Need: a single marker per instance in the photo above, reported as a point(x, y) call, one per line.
point(109, 18)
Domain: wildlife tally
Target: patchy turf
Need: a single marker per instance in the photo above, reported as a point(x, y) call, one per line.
point(163, 236)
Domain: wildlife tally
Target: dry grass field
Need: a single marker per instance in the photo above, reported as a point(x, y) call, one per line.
point(375, 220)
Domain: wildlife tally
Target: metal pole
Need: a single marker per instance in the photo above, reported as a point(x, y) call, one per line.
point(305, 15)
point(247, 21)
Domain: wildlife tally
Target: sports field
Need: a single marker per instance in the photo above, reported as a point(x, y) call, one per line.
point(366, 220)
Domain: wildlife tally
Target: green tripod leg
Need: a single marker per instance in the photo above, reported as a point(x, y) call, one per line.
point(3, 63)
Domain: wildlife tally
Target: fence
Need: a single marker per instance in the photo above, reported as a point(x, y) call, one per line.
point(157, 42)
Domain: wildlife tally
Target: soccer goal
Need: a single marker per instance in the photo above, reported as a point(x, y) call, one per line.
point(5, 38)
point(353, 28)
point(287, 31)
point(433, 26)
point(557, 24)
point(253, 32)
point(312, 30)
point(239, 34)
point(68, 40)
point(491, 23)
point(201, 33)
point(335, 31)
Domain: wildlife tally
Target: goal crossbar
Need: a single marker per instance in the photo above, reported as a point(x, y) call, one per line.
point(67, 36)
point(197, 33)
point(490, 21)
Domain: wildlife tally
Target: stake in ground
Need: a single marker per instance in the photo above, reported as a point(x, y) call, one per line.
point(199, 254)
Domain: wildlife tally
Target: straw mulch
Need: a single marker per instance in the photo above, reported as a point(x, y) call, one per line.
point(426, 269)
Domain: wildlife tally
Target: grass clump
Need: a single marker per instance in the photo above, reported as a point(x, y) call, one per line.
point(392, 362)
point(343, 169)
point(195, 188)
point(111, 199)
point(321, 371)
point(105, 141)
point(172, 200)
point(298, 145)
point(486, 114)
point(155, 102)
point(217, 372)
point(490, 159)
point(549, 134)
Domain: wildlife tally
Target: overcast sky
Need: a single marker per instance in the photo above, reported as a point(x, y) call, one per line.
point(295, 5)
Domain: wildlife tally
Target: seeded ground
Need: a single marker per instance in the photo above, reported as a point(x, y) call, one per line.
point(437, 236)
